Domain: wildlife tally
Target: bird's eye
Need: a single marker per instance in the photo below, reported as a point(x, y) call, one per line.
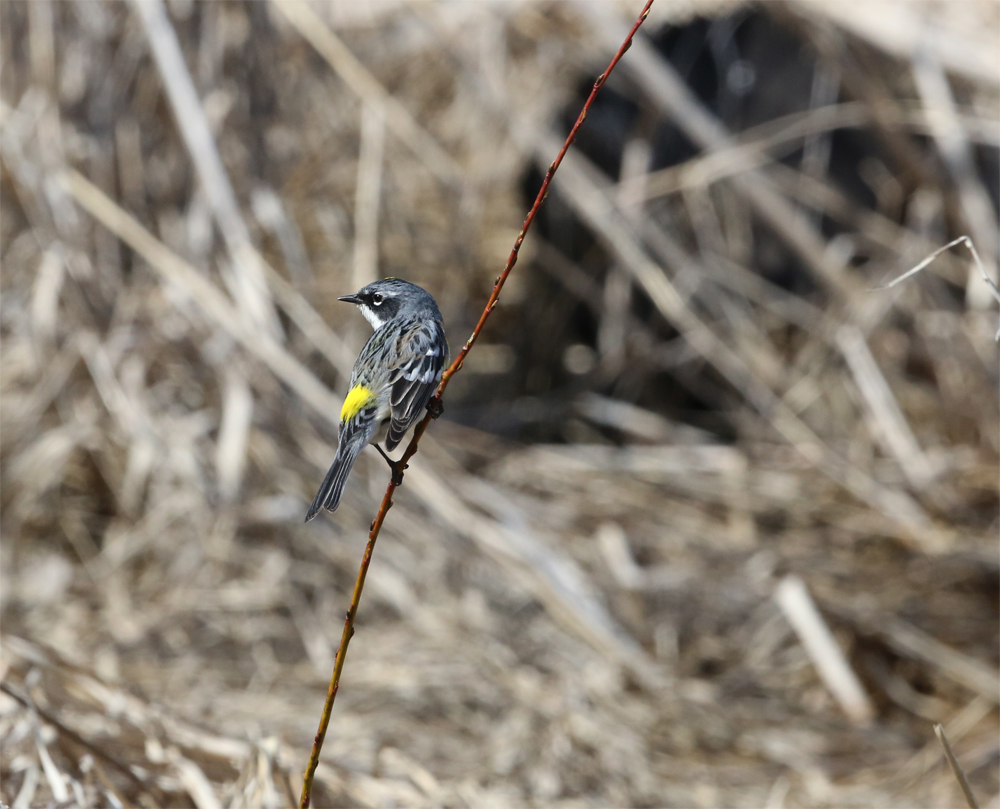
point(377, 298)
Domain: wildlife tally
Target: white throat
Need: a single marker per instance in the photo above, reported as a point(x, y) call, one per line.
point(372, 317)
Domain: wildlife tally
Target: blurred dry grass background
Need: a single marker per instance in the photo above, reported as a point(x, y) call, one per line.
point(693, 447)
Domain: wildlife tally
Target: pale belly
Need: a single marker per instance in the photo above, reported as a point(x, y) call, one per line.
point(384, 416)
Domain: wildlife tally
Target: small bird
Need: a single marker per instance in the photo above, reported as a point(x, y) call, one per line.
point(394, 377)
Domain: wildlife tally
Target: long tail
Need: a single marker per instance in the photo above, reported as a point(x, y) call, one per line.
point(329, 493)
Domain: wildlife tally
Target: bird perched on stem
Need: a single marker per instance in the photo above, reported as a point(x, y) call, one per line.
point(394, 377)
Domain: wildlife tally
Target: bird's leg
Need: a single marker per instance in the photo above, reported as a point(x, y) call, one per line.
point(388, 460)
point(396, 467)
point(435, 406)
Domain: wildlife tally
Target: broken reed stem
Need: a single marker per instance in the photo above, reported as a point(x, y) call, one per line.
point(434, 409)
point(956, 768)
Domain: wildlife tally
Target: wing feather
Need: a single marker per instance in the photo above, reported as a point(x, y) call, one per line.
point(423, 353)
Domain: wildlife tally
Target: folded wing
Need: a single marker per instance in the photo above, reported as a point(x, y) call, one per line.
point(423, 356)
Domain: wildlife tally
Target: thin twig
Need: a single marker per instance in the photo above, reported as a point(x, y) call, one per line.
point(956, 768)
point(960, 240)
point(958, 727)
point(434, 409)
point(975, 255)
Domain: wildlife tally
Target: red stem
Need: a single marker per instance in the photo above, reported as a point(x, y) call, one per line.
point(434, 407)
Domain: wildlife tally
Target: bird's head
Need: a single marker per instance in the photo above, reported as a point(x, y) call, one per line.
point(383, 300)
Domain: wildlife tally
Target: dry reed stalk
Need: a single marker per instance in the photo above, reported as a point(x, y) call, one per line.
point(670, 93)
point(396, 117)
point(211, 300)
point(956, 768)
point(434, 409)
point(246, 282)
point(585, 195)
point(116, 468)
point(72, 735)
point(820, 644)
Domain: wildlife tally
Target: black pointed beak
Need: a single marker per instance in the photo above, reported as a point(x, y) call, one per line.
point(350, 299)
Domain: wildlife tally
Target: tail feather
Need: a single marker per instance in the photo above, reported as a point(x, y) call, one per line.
point(329, 493)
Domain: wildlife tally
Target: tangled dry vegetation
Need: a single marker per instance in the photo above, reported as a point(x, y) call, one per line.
point(695, 447)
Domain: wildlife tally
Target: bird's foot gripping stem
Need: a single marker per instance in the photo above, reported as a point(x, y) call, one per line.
point(397, 467)
point(435, 407)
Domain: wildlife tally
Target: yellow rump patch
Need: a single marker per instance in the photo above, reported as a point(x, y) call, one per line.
point(357, 398)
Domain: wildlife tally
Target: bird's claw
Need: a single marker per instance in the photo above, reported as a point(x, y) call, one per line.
point(396, 467)
point(397, 473)
point(435, 407)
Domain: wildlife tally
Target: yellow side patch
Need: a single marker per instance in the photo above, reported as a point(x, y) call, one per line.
point(357, 398)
